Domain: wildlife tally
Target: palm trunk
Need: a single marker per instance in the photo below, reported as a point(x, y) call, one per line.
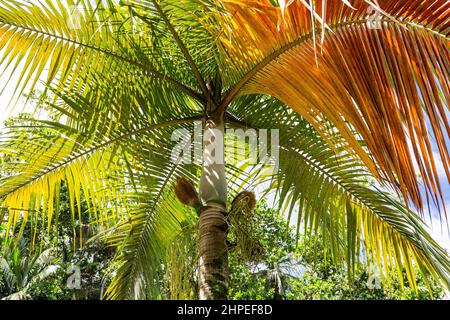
point(213, 264)
point(213, 258)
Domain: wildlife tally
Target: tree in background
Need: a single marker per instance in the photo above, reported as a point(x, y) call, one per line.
point(273, 268)
point(26, 271)
point(349, 105)
point(284, 270)
point(22, 268)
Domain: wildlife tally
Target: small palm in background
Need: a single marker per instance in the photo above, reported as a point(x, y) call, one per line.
point(21, 269)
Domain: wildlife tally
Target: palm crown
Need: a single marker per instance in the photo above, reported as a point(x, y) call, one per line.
point(351, 100)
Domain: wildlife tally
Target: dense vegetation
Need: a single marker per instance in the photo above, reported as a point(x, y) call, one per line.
point(279, 268)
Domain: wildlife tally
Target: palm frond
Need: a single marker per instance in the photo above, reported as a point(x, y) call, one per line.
point(41, 39)
point(143, 241)
point(389, 84)
point(328, 191)
point(145, 236)
point(96, 152)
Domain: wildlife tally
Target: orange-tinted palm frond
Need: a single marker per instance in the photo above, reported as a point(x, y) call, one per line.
point(382, 71)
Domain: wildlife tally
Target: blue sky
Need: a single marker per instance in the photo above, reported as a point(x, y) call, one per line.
point(443, 236)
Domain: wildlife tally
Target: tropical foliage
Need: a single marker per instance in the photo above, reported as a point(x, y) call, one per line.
point(281, 270)
point(352, 103)
point(20, 270)
point(289, 270)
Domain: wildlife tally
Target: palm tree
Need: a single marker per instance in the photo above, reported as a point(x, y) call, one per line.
point(22, 269)
point(357, 91)
point(279, 272)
